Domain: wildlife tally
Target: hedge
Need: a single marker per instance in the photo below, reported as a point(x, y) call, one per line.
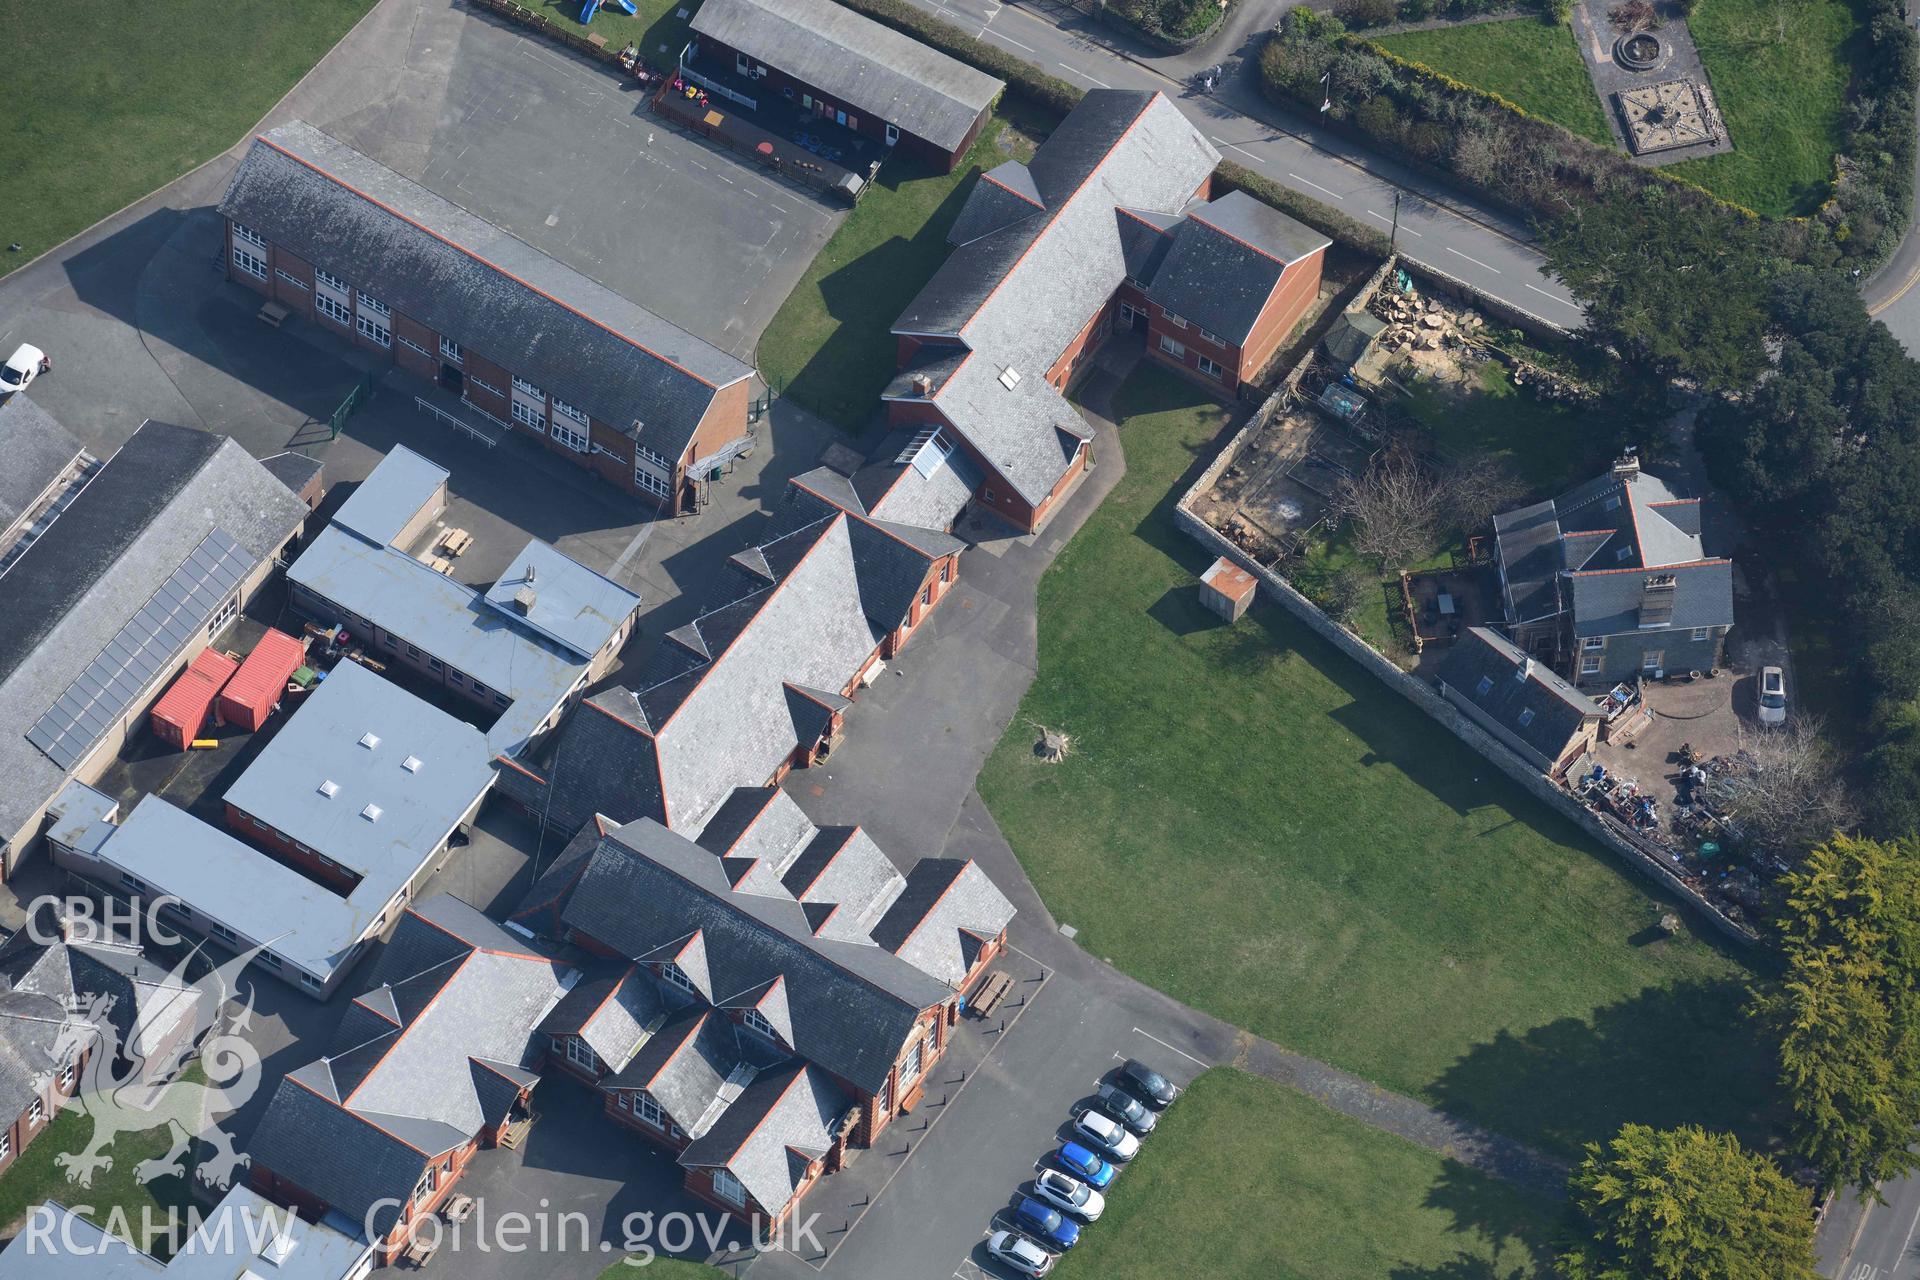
point(1173, 25)
point(1873, 177)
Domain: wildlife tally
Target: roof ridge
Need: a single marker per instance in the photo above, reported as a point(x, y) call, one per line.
point(1706, 563)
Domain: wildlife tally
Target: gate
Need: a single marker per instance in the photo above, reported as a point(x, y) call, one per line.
point(355, 398)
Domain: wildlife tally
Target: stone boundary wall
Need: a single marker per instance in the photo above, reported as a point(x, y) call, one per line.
point(1276, 588)
point(1507, 313)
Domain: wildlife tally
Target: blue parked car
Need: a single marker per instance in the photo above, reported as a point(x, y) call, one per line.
point(1046, 1225)
point(1084, 1165)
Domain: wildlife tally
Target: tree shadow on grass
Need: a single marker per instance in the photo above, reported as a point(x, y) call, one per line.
point(1518, 1230)
point(1683, 1054)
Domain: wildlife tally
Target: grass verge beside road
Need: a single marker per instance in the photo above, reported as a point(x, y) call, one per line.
point(1246, 1178)
point(831, 345)
point(1531, 63)
point(102, 107)
point(1259, 828)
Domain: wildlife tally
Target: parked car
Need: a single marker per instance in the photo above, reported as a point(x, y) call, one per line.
point(1069, 1195)
point(1046, 1224)
point(22, 367)
point(1084, 1165)
point(1147, 1084)
point(1773, 696)
point(1127, 1109)
point(1023, 1255)
point(1107, 1135)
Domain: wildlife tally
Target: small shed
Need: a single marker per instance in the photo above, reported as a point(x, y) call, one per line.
point(182, 710)
point(1351, 336)
point(248, 699)
point(1227, 589)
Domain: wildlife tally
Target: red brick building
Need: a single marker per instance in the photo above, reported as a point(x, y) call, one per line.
point(529, 344)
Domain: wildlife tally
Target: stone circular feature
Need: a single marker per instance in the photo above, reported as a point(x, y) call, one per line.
point(1638, 51)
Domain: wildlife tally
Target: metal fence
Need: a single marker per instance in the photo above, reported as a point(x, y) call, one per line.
point(348, 407)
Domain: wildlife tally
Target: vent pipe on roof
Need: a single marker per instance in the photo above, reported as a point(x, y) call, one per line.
point(1526, 669)
point(530, 569)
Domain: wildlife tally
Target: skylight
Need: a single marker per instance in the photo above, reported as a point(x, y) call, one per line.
point(1009, 377)
point(371, 813)
point(329, 788)
point(369, 740)
point(411, 764)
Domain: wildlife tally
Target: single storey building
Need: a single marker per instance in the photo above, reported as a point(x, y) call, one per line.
point(1519, 700)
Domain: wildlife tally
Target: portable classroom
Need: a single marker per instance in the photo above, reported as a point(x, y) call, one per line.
point(182, 710)
point(248, 699)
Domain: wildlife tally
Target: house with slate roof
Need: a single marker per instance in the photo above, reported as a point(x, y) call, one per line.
point(827, 60)
point(134, 575)
point(801, 991)
point(434, 1062)
point(527, 342)
point(38, 457)
point(1109, 227)
point(1519, 700)
point(1612, 580)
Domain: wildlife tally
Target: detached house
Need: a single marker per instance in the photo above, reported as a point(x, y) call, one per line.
point(1613, 580)
point(1109, 226)
point(1519, 700)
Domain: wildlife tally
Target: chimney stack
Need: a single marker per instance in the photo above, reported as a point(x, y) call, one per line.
point(922, 385)
point(1627, 466)
point(1526, 669)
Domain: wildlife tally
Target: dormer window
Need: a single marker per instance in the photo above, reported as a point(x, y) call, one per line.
point(757, 1021)
point(674, 974)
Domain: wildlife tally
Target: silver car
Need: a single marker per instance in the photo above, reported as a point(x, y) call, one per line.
point(1069, 1195)
point(1773, 696)
point(1024, 1256)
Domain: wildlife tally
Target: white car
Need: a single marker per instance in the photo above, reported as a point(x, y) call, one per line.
point(1025, 1256)
point(21, 368)
point(1069, 1195)
point(1773, 696)
point(1107, 1135)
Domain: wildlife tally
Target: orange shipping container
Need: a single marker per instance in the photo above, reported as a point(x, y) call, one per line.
point(182, 710)
point(248, 698)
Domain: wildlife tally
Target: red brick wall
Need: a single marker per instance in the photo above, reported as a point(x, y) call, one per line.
point(617, 470)
point(1299, 286)
point(494, 402)
point(298, 300)
point(284, 850)
point(427, 366)
point(1224, 354)
point(1091, 334)
point(725, 420)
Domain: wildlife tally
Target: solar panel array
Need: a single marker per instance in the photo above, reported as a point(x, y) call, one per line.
point(102, 694)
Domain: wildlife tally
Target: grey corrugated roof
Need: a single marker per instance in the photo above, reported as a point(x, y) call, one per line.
point(571, 604)
point(476, 283)
point(325, 742)
point(766, 1138)
point(1018, 297)
point(394, 493)
point(856, 60)
point(947, 907)
point(1515, 685)
point(134, 524)
point(35, 451)
point(1226, 260)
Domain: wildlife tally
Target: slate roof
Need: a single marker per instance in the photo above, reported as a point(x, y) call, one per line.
point(1018, 296)
point(35, 451)
point(1513, 686)
point(1226, 260)
point(916, 477)
point(1004, 195)
point(1591, 550)
point(362, 1123)
point(859, 62)
point(614, 1014)
point(1146, 237)
point(477, 284)
point(784, 1120)
point(946, 911)
point(687, 1065)
point(294, 470)
point(152, 505)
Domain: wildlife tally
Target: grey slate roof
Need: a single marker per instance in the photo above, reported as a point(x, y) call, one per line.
point(859, 62)
point(35, 451)
point(397, 490)
point(614, 1014)
point(1017, 297)
point(686, 1064)
point(361, 1124)
point(1004, 195)
point(474, 282)
point(294, 470)
point(86, 576)
point(1513, 686)
point(1226, 260)
point(1146, 236)
point(946, 910)
point(785, 1119)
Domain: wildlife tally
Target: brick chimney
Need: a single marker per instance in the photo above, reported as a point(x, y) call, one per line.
point(1627, 465)
point(922, 385)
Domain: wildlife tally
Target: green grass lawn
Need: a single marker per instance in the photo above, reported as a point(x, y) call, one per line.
point(655, 28)
point(1320, 1197)
point(831, 347)
point(1254, 825)
point(1780, 70)
point(661, 1269)
point(1548, 446)
point(1529, 62)
point(103, 105)
point(115, 1198)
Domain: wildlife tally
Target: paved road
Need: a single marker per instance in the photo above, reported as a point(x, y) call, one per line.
point(1437, 228)
point(1877, 1242)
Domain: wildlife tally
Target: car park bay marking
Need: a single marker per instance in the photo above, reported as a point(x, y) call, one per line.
point(1182, 1052)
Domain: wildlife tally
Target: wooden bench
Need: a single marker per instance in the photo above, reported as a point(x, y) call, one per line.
point(273, 315)
point(440, 564)
point(455, 541)
point(991, 993)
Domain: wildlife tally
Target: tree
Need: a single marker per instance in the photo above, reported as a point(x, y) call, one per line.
point(1476, 489)
point(1783, 789)
point(1847, 1009)
point(1394, 506)
point(1685, 1204)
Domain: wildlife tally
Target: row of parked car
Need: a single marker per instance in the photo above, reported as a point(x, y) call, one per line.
point(1069, 1186)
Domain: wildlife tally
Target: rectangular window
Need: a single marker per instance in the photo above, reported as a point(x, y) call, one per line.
point(1214, 338)
point(911, 1068)
point(222, 616)
point(521, 384)
point(757, 1021)
point(647, 482)
point(1589, 666)
point(436, 664)
point(1653, 659)
point(223, 933)
point(566, 410)
point(678, 977)
point(565, 433)
point(528, 416)
point(374, 305)
point(133, 882)
point(455, 679)
point(450, 351)
point(1173, 319)
point(272, 960)
point(484, 385)
point(372, 328)
point(332, 310)
point(728, 1188)
point(1209, 368)
point(66, 1078)
point(1526, 717)
point(247, 235)
point(1177, 350)
point(330, 280)
point(501, 700)
point(1594, 642)
point(6, 1146)
point(308, 980)
point(1702, 633)
point(647, 1109)
point(411, 345)
point(251, 263)
point(622, 1101)
point(295, 281)
point(581, 1056)
point(36, 1114)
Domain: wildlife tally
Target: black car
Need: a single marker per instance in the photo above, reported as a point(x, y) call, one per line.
point(1151, 1087)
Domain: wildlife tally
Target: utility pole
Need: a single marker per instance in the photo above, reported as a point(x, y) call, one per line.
point(1393, 238)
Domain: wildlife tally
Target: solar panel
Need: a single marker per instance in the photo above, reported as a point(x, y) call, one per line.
point(126, 665)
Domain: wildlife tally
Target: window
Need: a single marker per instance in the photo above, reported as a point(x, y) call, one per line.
point(500, 700)
point(412, 652)
point(295, 281)
point(1594, 642)
point(221, 932)
point(946, 571)
point(1484, 687)
point(428, 1181)
point(66, 1078)
point(565, 433)
point(272, 961)
point(1612, 503)
point(757, 1021)
point(1209, 367)
point(1652, 660)
point(484, 385)
point(1173, 319)
point(1214, 338)
point(657, 459)
point(450, 351)
point(330, 281)
point(678, 977)
point(522, 385)
point(411, 345)
point(647, 482)
point(1177, 350)
point(580, 1055)
point(331, 309)
point(565, 410)
point(621, 1100)
point(247, 235)
point(647, 1109)
point(528, 416)
point(479, 689)
point(1701, 633)
point(911, 1068)
point(372, 328)
point(1624, 553)
point(6, 1146)
point(374, 305)
point(36, 1114)
point(251, 263)
point(133, 882)
point(308, 980)
point(1526, 717)
point(893, 134)
point(728, 1188)
point(436, 664)
point(222, 616)
point(455, 679)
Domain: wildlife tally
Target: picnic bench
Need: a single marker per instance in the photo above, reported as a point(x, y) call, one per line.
point(421, 1250)
point(455, 541)
point(991, 993)
point(440, 565)
point(273, 315)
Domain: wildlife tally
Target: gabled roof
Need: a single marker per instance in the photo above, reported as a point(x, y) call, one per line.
point(769, 1135)
point(1524, 698)
point(857, 61)
point(947, 910)
point(614, 1013)
point(1226, 260)
point(477, 284)
point(1004, 195)
point(35, 451)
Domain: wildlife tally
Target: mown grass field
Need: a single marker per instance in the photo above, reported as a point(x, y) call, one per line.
point(1526, 61)
point(1256, 826)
